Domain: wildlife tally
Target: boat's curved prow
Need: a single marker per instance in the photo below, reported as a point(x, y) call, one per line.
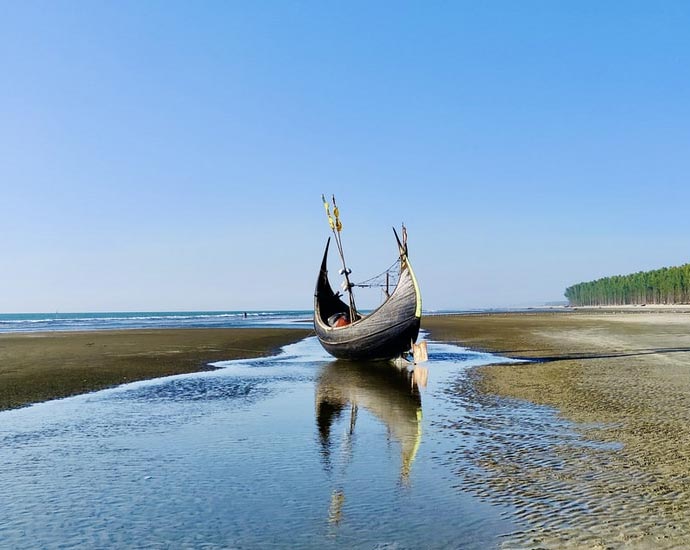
point(385, 333)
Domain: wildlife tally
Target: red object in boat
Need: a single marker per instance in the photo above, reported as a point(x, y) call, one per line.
point(341, 321)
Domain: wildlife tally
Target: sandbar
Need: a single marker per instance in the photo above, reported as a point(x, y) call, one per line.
point(622, 378)
point(46, 365)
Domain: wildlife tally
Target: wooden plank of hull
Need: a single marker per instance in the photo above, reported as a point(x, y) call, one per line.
point(385, 345)
point(383, 334)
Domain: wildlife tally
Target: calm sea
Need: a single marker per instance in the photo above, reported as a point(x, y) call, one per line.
point(36, 322)
point(113, 320)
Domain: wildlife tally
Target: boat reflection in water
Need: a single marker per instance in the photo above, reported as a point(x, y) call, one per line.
point(390, 393)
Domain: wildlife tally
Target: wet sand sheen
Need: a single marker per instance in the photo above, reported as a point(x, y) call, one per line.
point(39, 366)
point(624, 379)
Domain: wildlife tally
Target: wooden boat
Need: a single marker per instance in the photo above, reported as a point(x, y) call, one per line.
point(385, 333)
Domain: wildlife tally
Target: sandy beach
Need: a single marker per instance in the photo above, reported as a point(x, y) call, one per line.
point(622, 379)
point(45, 365)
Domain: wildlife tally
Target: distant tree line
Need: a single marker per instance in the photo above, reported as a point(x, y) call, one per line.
point(668, 285)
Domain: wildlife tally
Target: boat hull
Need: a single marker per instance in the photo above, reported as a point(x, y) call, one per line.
point(386, 333)
point(380, 346)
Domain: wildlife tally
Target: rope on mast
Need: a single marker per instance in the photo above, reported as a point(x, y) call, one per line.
point(337, 227)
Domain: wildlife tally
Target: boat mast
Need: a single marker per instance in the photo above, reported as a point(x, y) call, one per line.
point(337, 227)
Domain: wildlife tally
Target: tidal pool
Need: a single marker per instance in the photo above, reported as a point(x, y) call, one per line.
point(291, 451)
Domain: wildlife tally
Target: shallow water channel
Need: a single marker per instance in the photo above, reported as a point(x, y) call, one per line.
point(295, 450)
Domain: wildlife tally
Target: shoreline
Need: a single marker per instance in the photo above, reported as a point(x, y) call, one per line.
point(621, 379)
point(40, 366)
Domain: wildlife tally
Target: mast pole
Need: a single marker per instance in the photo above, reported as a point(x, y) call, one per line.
point(337, 227)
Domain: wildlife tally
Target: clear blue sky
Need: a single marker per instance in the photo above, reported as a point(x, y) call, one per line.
point(166, 155)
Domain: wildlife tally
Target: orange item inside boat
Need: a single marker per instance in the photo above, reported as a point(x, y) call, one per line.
point(341, 321)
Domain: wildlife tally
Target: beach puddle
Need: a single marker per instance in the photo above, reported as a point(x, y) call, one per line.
point(295, 450)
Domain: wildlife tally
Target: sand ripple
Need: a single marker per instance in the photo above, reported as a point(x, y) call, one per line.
point(570, 490)
point(599, 457)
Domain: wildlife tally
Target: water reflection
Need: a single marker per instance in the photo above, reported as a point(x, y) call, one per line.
point(388, 392)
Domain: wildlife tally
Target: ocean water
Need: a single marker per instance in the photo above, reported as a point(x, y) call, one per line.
point(291, 451)
point(113, 320)
point(36, 322)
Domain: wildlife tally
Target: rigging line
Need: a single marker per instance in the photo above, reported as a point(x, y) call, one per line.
point(366, 281)
point(378, 285)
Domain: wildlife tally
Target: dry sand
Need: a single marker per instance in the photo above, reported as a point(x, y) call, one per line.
point(39, 366)
point(623, 379)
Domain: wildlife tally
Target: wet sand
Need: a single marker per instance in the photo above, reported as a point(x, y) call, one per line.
point(39, 366)
point(621, 379)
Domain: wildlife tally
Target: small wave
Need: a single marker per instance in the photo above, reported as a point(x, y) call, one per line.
point(21, 321)
point(43, 322)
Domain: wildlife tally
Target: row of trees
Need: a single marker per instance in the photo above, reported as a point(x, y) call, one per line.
point(668, 285)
